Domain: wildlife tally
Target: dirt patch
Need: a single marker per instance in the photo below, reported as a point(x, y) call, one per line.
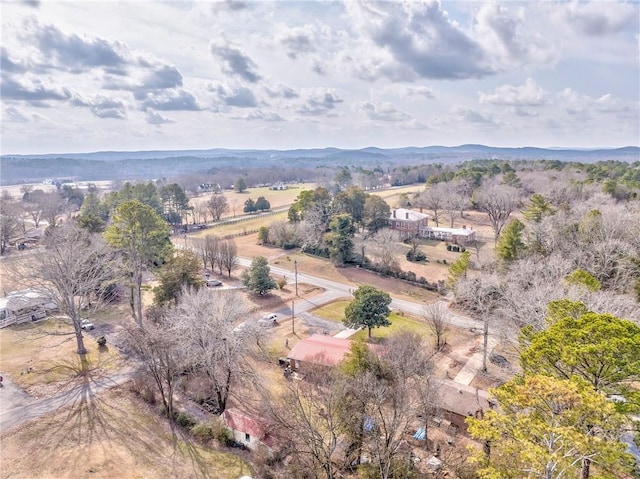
point(454, 355)
point(279, 298)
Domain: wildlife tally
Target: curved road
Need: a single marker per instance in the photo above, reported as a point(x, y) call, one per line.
point(16, 407)
point(336, 290)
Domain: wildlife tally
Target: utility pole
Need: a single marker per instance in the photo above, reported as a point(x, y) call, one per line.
point(295, 269)
point(293, 317)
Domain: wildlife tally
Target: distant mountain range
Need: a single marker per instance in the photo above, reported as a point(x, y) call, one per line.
point(152, 164)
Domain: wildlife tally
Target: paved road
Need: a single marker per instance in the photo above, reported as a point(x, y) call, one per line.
point(16, 407)
point(11, 395)
point(335, 290)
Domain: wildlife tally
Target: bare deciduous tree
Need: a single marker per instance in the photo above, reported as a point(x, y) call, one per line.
point(75, 270)
point(218, 205)
point(162, 357)
point(433, 198)
point(228, 256)
point(310, 417)
point(480, 297)
point(201, 212)
point(454, 203)
point(498, 202)
point(9, 221)
point(204, 320)
point(437, 316)
point(384, 246)
point(283, 233)
point(392, 400)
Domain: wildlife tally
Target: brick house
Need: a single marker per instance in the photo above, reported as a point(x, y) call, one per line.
point(408, 222)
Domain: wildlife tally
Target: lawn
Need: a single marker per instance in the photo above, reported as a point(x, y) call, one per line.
point(335, 312)
point(35, 355)
point(111, 435)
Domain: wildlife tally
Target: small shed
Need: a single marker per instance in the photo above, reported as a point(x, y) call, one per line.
point(458, 401)
point(247, 430)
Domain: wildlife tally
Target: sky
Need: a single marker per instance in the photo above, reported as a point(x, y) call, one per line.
point(88, 75)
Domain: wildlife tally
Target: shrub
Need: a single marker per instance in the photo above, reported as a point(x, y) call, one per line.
point(143, 387)
point(203, 431)
point(417, 256)
point(102, 341)
point(185, 420)
point(282, 282)
point(221, 433)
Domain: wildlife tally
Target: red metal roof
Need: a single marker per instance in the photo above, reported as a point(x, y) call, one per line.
point(321, 349)
point(238, 421)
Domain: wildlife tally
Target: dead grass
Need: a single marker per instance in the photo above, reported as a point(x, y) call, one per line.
point(111, 435)
point(41, 357)
point(277, 199)
point(333, 311)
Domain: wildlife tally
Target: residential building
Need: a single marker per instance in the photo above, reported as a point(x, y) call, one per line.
point(408, 222)
point(246, 430)
point(318, 349)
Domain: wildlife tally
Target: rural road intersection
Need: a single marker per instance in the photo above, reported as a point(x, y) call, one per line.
point(17, 407)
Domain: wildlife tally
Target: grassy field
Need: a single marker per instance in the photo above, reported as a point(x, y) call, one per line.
point(111, 435)
point(240, 227)
point(335, 312)
point(277, 199)
point(42, 354)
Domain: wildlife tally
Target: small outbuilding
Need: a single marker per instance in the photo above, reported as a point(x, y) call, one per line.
point(247, 430)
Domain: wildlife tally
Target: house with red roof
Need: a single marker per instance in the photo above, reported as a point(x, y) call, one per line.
point(318, 349)
point(247, 430)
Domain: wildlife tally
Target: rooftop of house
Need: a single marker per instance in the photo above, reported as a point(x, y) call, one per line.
point(461, 399)
point(405, 214)
point(454, 231)
point(238, 421)
point(321, 349)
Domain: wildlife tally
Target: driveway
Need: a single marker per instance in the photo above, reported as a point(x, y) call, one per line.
point(12, 396)
point(22, 408)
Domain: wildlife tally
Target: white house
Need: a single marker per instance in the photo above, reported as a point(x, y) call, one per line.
point(246, 430)
point(24, 305)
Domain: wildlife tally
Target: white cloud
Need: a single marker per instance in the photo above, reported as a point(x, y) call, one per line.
point(529, 94)
point(380, 111)
point(349, 74)
point(154, 118)
point(599, 18)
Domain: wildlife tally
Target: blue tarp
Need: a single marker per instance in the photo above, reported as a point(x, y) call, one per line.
point(419, 435)
point(369, 423)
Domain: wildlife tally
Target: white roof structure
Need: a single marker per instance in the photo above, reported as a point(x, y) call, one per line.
point(453, 231)
point(18, 300)
point(405, 214)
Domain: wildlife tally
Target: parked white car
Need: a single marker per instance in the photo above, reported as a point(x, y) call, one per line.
point(270, 319)
point(86, 324)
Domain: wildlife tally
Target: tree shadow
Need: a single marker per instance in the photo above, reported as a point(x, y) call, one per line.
point(87, 421)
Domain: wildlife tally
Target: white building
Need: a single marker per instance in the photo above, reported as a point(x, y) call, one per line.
point(24, 305)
